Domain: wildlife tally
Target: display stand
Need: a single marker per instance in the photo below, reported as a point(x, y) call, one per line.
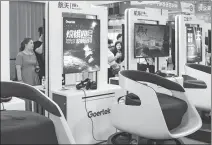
point(132, 16)
point(77, 105)
point(88, 116)
point(181, 41)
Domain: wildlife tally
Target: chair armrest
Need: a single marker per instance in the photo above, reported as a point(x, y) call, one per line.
point(196, 84)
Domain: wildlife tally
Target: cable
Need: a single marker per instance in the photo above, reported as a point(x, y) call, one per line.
point(118, 103)
point(90, 118)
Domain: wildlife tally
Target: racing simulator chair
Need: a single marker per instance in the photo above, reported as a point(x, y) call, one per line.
point(25, 127)
point(197, 83)
point(151, 116)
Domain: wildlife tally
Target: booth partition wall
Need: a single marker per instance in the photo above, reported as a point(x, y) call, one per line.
point(25, 19)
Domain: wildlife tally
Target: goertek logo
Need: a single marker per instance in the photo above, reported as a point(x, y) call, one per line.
point(98, 113)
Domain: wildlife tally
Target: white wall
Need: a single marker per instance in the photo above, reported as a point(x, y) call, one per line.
point(5, 65)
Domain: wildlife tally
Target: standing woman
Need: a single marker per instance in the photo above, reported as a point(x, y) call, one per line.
point(27, 66)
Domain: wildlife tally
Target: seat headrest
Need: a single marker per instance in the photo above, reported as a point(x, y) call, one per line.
point(203, 68)
point(26, 91)
point(151, 78)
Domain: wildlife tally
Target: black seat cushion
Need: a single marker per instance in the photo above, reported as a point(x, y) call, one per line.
point(173, 108)
point(194, 84)
point(24, 127)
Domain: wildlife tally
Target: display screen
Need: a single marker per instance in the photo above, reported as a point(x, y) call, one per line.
point(81, 45)
point(194, 44)
point(151, 40)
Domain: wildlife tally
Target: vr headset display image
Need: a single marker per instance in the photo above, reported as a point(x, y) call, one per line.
point(81, 45)
point(151, 40)
point(194, 43)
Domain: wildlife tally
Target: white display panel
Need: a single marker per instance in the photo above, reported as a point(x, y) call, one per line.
point(181, 40)
point(5, 64)
point(146, 16)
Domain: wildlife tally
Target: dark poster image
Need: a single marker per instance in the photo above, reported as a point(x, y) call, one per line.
point(194, 44)
point(81, 45)
point(151, 40)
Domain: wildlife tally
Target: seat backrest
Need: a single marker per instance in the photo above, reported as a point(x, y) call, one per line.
point(25, 91)
point(203, 102)
point(144, 120)
point(200, 67)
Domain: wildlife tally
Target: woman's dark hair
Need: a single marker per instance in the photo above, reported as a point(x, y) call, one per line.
point(117, 42)
point(24, 42)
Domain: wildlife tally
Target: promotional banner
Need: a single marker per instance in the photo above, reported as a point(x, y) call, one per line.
point(81, 45)
point(168, 5)
point(194, 43)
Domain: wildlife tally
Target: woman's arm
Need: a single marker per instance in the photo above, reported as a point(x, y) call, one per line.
point(19, 76)
point(19, 63)
point(111, 59)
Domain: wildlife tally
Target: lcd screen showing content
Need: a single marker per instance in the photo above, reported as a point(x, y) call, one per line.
point(194, 43)
point(151, 40)
point(81, 45)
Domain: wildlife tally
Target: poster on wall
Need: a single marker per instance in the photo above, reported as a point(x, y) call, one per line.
point(81, 45)
point(194, 44)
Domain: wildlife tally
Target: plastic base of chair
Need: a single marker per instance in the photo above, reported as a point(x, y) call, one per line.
point(126, 138)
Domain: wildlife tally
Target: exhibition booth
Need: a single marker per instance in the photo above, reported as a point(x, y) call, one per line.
point(146, 102)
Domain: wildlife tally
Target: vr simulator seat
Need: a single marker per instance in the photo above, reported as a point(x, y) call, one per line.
point(153, 115)
point(197, 83)
point(173, 108)
point(24, 127)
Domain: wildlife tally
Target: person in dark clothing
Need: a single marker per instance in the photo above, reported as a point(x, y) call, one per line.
point(39, 52)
